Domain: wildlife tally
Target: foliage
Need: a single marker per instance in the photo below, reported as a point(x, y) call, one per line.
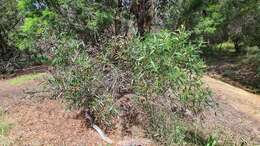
point(158, 63)
point(36, 26)
point(175, 13)
point(161, 61)
point(9, 18)
point(77, 78)
point(237, 23)
point(217, 21)
point(93, 66)
point(16, 50)
point(65, 29)
point(167, 127)
point(211, 141)
point(210, 23)
point(168, 60)
point(164, 126)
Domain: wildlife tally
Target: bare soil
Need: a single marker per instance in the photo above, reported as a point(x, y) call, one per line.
point(237, 111)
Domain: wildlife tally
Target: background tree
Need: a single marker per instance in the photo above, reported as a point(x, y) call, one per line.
point(9, 20)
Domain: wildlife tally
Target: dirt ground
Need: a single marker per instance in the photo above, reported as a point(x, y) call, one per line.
point(237, 111)
point(39, 121)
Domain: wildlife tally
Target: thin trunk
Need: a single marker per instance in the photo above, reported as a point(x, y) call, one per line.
point(3, 46)
point(237, 46)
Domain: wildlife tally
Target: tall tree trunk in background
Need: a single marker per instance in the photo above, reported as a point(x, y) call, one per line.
point(3, 46)
point(237, 46)
point(144, 13)
point(118, 22)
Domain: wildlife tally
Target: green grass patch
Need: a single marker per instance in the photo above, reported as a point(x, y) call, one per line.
point(226, 46)
point(24, 78)
point(4, 125)
point(4, 129)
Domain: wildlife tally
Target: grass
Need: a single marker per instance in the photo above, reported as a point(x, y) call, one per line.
point(24, 78)
point(4, 129)
point(225, 47)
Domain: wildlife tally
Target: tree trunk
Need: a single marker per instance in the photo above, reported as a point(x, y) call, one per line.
point(3, 46)
point(118, 22)
point(144, 13)
point(237, 47)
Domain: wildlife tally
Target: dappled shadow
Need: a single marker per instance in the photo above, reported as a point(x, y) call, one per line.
point(230, 68)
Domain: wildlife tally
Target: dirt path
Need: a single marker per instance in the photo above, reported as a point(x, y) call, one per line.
point(239, 99)
point(237, 110)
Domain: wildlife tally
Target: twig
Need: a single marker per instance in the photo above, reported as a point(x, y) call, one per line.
point(102, 134)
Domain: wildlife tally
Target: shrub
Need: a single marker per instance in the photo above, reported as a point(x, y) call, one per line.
point(79, 79)
point(151, 67)
point(165, 61)
point(163, 126)
point(159, 63)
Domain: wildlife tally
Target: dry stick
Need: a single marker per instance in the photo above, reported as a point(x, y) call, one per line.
point(99, 131)
point(102, 134)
